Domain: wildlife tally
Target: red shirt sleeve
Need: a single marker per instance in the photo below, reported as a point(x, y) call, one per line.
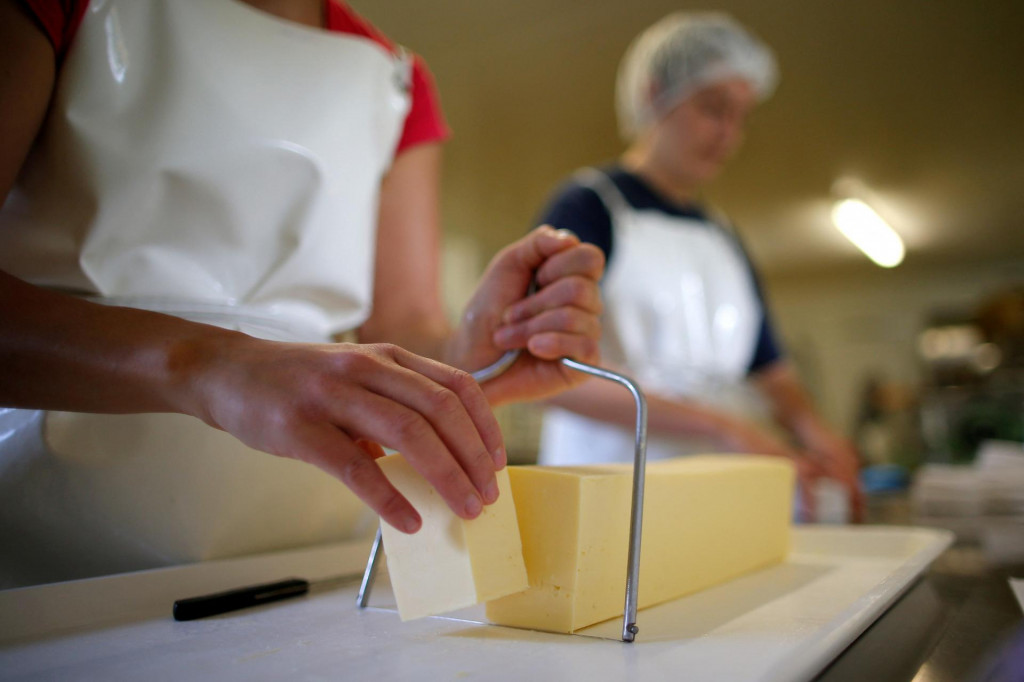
point(425, 121)
point(59, 19)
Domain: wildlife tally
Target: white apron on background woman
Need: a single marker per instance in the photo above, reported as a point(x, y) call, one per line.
point(681, 316)
point(210, 161)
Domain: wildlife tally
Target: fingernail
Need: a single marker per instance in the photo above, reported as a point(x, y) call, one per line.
point(491, 492)
point(473, 506)
point(513, 314)
point(504, 335)
point(411, 524)
point(541, 346)
point(500, 458)
point(566, 234)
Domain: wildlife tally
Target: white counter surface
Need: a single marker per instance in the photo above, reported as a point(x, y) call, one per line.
point(782, 623)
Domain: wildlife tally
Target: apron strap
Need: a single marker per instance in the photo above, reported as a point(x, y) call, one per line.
point(603, 186)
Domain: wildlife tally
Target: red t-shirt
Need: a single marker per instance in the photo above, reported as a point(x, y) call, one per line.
point(425, 121)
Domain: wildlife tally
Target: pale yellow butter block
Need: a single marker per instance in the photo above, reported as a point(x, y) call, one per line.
point(451, 563)
point(707, 519)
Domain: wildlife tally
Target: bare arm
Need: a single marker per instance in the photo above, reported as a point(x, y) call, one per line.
point(407, 307)
point(669, 417)
point(27, 73)
point(559, 320)
point(308, 402)
point(823, 452)
point(687, 418)
point(791, 405)
point(793, 408)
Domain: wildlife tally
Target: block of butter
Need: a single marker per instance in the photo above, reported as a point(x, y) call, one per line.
point(450, 563)
point(706, 519)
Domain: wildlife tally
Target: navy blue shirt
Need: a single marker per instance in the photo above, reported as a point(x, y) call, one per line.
point(579, 208)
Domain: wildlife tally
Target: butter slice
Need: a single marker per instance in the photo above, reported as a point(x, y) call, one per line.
point(451, 563)
point(707, 519)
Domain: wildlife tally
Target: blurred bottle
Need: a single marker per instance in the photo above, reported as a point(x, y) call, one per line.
point(832, 502)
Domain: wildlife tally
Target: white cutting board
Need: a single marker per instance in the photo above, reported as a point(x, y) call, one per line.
point(784, 623)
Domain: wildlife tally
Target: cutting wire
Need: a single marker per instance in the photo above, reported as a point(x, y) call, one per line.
point(499, 367)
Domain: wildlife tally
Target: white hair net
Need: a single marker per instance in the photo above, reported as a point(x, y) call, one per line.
point(682, 53)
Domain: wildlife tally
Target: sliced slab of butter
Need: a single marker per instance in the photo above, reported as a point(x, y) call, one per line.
point(451, 563)
point(706, 519)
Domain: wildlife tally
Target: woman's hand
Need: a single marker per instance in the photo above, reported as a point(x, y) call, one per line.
point(826, 456)
point(829, 453)
point(559, 320)
point(742, 436)
point(321, 404)
point(837, 459)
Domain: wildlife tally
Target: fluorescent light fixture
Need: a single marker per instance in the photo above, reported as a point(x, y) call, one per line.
point(869, 232)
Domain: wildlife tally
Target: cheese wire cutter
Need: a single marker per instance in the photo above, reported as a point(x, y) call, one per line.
point(629, 627)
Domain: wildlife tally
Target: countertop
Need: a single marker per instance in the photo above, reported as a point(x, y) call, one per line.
point(957, 619)
point(944, 626)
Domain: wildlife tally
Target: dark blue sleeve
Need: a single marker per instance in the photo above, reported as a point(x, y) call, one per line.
point(579, 209)
point(768, 349)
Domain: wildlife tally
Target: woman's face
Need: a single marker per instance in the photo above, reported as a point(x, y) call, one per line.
point(702, 132)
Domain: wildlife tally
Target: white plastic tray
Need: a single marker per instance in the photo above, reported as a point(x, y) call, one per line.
point(785, 623)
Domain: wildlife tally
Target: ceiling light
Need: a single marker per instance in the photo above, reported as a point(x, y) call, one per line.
point(869, 232)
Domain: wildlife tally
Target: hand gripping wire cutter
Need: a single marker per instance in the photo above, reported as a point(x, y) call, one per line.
point(629, 627)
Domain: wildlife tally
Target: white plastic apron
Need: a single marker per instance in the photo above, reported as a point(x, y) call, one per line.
point(681, 315)
point(207, 160)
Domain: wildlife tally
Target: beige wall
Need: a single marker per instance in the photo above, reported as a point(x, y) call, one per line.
point(843, 327)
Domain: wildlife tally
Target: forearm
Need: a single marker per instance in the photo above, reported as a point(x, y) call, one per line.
point(791, 405)
point(407, 308)
point(559, 320)
point(829, 453)
point(427, 335)
point(608, 402)
point(58, 352)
